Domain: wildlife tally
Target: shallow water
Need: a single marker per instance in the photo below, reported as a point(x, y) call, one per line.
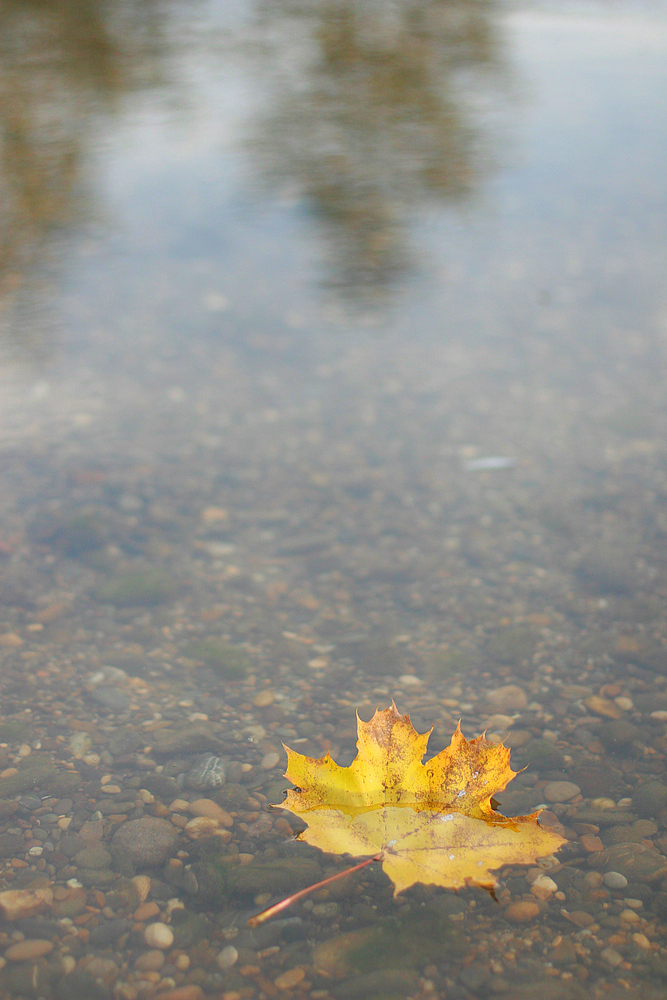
point(332, 365)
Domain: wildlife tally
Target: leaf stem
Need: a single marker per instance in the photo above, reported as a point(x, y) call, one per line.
point(271, 911)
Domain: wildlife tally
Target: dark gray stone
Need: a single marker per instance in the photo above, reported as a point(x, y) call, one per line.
point(146, 841)
point(112, 698)
point(108, 932)
point(650, 798)
point(11, 844)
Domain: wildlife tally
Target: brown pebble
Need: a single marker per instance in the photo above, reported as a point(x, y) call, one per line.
point(579, 918)
point(601, 706)
point(146, 911)
point(507, 698)
point(24, 950)
point(192, 992)
point(560, 791)
point(211, 809)
point(288, 980)
point(150, 961)
point(522, 911)
point(263, 699)
point(52, 612)
point(591, 843)
point(201, 827)
point(10, 639)
point(18, 903)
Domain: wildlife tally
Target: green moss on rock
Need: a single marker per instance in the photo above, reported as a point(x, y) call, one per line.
point(36, 771)
point(409, 941)
point(231, 796)
point(138, 589)
point(220, 878)
point(220, 656)
point(544, 756)
point(14, 731)
point(449, 663)
point(512, 645)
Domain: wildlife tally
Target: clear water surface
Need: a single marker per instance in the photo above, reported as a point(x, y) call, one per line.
point(332, 370)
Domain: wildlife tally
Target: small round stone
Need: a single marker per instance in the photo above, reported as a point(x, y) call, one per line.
point(288, 980)
point(210, 809)
point(522, 911)
point(146, 841)
point(560, 791)
point(202, 827)
point(228, 957)
point(543, 887)
point(158, 935)
point(614, 880)
point(23, 951)
point(151, 960)
point(509, 698)
point(269, 761)
point(208, 772)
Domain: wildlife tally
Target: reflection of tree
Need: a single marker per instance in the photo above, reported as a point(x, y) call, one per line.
point(383, 117)
point(61, 63)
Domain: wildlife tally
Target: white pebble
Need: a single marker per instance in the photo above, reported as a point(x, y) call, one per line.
point(544, 882)
point(269, 761)
point(614, 880)
point(409, 680)
point(228, 957)
point(159, 936)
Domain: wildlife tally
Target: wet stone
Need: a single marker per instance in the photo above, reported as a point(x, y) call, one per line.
point(80, 985)
point(29, 803)
point(11, 844)
point(560, 791)
point(161, 786)
point(608, 572)
point(650, 798)
point(635, 861)
point(23, 951)
point(509, 698)
point(193, 737)
point(71, 844)
point(474, 976)
point(207, 772)
point(26, 979)
point(111, 697)
point(94, 856)
point(125, 741)
point(97, 877)
point(617, 734)
point(108, 932)
point(614, 880)
point(146, 841)
point(522, 911)
point(138, 589)
point(543, 755)
point(159, 935)
point(383, 982)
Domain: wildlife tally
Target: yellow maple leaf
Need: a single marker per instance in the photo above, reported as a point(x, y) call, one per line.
point(432, 822)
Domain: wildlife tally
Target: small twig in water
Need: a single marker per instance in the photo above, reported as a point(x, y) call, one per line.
point(271, 911)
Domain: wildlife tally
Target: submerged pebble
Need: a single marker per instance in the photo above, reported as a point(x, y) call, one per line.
point(208, 772)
